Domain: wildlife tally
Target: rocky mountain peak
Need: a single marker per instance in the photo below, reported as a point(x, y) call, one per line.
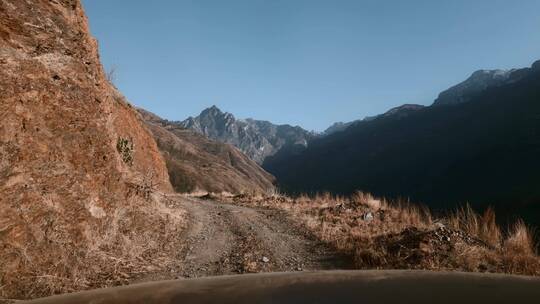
point(212, 111)
point(258, 139)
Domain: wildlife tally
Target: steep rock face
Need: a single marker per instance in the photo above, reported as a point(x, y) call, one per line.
point(64, 175)
point(198, 163)
point(257, 139)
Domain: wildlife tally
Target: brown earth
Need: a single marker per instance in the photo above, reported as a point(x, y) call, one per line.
point(196, 163)
point(226, 239)
point(70, 194)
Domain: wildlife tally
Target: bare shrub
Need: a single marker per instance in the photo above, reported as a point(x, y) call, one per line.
point(145, 186)
point(126, 148)
point(111, 75)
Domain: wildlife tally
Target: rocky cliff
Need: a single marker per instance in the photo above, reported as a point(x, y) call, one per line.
point(75, 157)
point(256, 138)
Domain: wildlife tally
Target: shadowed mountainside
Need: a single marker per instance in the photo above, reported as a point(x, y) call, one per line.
point(484, 151)
point(197, 163)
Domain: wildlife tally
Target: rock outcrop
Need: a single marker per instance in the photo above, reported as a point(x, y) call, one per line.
point(258, 139)
point(75, 159)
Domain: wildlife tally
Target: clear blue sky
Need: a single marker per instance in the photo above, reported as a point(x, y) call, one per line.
point(305, 62)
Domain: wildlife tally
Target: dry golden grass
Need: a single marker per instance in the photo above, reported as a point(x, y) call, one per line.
point(383, 234)
point(520, 240)
point(484, 227)
point(130, 243)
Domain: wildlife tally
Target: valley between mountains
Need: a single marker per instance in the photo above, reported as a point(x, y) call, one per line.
point(96, 193)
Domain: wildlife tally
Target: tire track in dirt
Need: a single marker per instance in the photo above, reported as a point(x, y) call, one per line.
point(227, 239)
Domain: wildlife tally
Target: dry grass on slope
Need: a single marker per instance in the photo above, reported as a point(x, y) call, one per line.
point(116, 248)
point(396, 235)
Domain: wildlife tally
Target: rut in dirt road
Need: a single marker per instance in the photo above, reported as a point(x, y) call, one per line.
point(228, 239)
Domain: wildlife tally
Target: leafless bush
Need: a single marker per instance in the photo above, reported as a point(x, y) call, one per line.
point(111, 75)
point(145, 186)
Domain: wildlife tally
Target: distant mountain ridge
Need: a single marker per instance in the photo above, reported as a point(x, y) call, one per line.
point(399, 111)
point(196, 163)
point(258, 139)
point(481, 148)
point(478, 82)
point(462, 92)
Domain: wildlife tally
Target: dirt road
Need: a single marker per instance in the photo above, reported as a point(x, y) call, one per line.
point(227, 239)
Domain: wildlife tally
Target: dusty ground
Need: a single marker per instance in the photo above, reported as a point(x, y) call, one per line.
point(227, 239)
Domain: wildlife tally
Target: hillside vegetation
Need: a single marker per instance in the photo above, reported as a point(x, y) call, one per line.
point(395, 235)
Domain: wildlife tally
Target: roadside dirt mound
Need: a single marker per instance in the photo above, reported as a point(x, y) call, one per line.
point(198, 163)
point(396, 235)
point(414, 248)
point(78, 169)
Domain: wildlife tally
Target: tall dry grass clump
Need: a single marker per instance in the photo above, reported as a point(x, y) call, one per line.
point(520, 240)
point(484, 227)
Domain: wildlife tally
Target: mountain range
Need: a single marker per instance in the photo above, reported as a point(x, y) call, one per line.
point(197, 163)
point(258, 139)
point(478, 143)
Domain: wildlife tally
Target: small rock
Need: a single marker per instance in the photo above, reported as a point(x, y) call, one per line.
point(298, 268)
point(446, 238)
point(368, 217)
point(265, 259)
